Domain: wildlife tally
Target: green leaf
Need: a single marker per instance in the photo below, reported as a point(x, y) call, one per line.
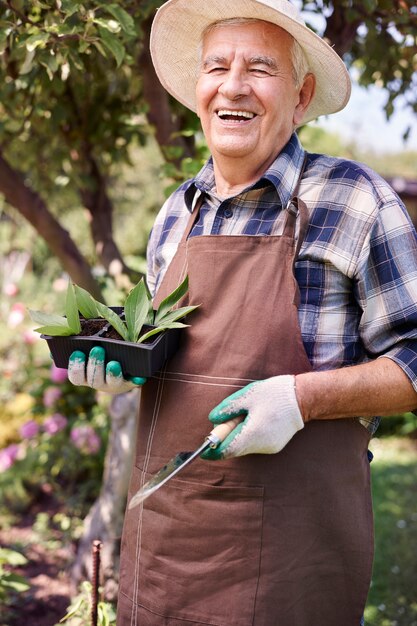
point(12, 557)
point(160, 329)
point(50, 63)
point(86, 303)
point(48, 318)
point(70, 7)
point(136, 310)
point(100, 48)
point(125, 20)
point(111, 25)
point(14, 582)
point(170, 300)
point(55, 331)
point(176, 314)
point(73, 610)
point(150, 318)
point(71, 310)
point(112, 44)
point(34, 41)
point(113, 319)
point(27, 65)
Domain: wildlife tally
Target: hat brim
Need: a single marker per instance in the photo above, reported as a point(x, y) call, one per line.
point(176, 36)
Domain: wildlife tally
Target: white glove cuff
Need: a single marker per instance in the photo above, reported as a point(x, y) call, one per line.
point(286, 399)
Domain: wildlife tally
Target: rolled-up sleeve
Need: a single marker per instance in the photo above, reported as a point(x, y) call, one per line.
point(387, 288)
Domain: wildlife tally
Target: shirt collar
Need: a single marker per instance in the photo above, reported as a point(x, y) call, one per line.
point(283, 174)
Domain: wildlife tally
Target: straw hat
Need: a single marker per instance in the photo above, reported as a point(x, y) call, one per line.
point(177, 30)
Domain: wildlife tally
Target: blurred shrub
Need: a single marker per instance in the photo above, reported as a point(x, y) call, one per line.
point(404, 425)
point(60, 448)
point(79, 612)
point(10, 582)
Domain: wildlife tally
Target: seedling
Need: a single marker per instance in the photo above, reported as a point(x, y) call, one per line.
point(138, 312)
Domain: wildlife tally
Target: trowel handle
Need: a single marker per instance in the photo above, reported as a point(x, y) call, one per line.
point(220, 432)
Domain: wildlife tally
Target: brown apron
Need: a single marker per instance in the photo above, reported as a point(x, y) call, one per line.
point(261, 540)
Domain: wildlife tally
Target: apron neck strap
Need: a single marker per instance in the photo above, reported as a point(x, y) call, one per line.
point(193, 217)
point(297, 207)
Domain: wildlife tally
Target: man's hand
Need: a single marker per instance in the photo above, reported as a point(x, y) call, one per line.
point(272, 418)
point(96, 374)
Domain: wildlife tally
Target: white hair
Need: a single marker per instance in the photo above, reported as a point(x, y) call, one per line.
point(298, 58)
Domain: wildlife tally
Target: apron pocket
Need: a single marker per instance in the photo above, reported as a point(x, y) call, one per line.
point(200, 552)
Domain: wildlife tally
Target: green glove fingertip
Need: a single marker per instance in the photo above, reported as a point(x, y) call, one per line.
point(77, 356)
point(114, 368)
point(138, 380)
point(97, 354)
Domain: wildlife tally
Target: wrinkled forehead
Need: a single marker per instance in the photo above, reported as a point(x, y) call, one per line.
point(272, 31)
point(252, 38)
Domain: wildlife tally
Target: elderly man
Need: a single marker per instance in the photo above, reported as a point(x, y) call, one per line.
point(305, 268)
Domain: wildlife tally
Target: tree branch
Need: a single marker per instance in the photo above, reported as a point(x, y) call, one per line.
point(34, 210)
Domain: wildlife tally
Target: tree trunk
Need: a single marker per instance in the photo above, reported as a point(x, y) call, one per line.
point(159, 114)
point(340, 31)
point(100, 207)
point(33, 208)
point(105, 519)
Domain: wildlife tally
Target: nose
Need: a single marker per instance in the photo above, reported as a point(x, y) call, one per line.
point(234, 85)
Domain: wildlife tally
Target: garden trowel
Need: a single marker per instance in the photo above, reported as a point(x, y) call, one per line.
point(182, 459)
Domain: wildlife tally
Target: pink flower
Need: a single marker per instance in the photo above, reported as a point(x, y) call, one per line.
point(10, 289)
point(54, 423)
point(85, 439)
point(58, 374)
point(60, 284)
point(29, 429)
point(8, 456)
point(51, 395)
point(30, 337)
point(16, 315)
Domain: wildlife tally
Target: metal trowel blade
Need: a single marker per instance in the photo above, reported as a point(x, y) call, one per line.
point(175, 465)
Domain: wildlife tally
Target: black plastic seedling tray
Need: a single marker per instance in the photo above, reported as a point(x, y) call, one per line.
point(136, 359)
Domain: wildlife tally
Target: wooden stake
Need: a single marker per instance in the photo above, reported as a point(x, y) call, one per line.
point(95, 580)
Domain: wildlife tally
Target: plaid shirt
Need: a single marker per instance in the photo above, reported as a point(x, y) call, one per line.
point(357, 267)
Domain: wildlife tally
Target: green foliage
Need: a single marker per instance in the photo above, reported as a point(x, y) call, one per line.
point(392, 598)
point(79, 612)
point(66, 75)
point(378, 39)
point(60, 448)
point(137, 309)
point(11, 583)
point(404, 425)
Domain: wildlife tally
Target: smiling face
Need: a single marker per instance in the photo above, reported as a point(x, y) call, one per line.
point(247, 99)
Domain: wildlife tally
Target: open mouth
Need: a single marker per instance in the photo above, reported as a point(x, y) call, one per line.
point(235, 116)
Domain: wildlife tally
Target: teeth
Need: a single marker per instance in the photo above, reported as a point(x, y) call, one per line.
point(246, 114)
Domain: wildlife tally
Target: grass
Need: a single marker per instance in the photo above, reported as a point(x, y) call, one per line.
point(392, 599)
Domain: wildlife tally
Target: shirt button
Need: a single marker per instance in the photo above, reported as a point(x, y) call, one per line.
point(228, 213)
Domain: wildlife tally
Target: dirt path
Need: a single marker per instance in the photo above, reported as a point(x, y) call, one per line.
point(47, 571)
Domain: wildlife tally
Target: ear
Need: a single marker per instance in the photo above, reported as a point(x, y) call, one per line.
point(305, 95)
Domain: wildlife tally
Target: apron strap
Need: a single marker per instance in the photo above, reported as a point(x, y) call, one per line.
point(297, 207)
point(193, 217)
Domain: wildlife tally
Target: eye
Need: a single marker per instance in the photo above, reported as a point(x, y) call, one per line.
point(259, 71)
point(216, 70)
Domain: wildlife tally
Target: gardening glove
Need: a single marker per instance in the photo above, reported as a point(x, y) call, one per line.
point(272, 417)
point(98, 375)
